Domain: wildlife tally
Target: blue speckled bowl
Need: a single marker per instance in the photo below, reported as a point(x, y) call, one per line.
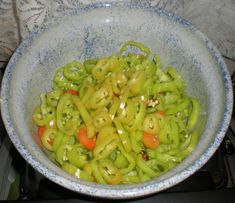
point(99, 30)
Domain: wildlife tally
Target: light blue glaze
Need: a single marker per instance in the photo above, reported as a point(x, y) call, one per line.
point(99, 30)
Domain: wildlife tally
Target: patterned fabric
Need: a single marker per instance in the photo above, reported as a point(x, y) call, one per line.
point(9, 37)
point(213, 17)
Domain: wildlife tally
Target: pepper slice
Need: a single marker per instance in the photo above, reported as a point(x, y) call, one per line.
point(151, 125)
point(74, 72)
point(145, 168)
point(48, 137)
point(78, 156)
point(101, 119)
point(53, 97)
point(139, 117)
point(43, 116)
point(85, 116)
point(107, 141)
point(103, 66)
point(137, 45)
point(89, 65)
point(123, 135)
point(126, 112)
point(73, 170)
point(136, 82)
point(114, 107)
point(136, 141)
point(62, 82)
point(101, 97)
point(194, 116)
point(85, 93)
point(67, 115)
point(110, 173)
point(130, 159)
point(118, 81)
point(96, 172)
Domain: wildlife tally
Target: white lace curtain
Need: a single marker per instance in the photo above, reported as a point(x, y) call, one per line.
point(216, 18)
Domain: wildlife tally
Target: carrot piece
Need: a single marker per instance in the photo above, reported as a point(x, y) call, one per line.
point(74, 92)
point(150, 141)
point(84, 140)
point(161, 112)
point(41, 130)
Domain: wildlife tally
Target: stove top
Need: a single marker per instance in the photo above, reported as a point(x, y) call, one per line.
point(214, 182)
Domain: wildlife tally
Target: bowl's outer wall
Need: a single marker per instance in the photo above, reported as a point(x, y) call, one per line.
point(100, 32)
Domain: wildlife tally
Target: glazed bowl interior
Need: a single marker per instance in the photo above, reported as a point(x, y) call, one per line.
point(99, 30)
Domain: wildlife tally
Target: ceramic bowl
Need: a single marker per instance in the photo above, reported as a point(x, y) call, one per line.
point(98, 30)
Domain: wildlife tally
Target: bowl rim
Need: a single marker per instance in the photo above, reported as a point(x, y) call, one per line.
point(123, 191)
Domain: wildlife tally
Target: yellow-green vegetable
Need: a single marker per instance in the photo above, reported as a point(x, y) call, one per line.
point(119, 119)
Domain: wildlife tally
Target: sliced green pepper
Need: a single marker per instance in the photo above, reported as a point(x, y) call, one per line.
point(121, 161)
point(85, 116)
point(103, 66)
point(114, 107)
point(61, 153)
point(194, 115)
point(89, 65)
point(136, 82)
point(48, 137)
point(193, 142)
point(136, 141)
point(138, 118)
point(85, 93)
point(67, 115)
point(53, 97)
point(110, 173)
point(71, 169)
point(130, 160)
point(125, 140)
point(38, 118)
point(101, 98)
point(101, 119)
point(174, 135)
point(43, 114)
point(146, 169)
point(74, 71)
point(62, 82)
point(107, 141)
point(179, 107)
point(151, 125)
point(76, 157)
point(126, 112)
point(118, 80)
point(96, 172)
point(135, 44)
